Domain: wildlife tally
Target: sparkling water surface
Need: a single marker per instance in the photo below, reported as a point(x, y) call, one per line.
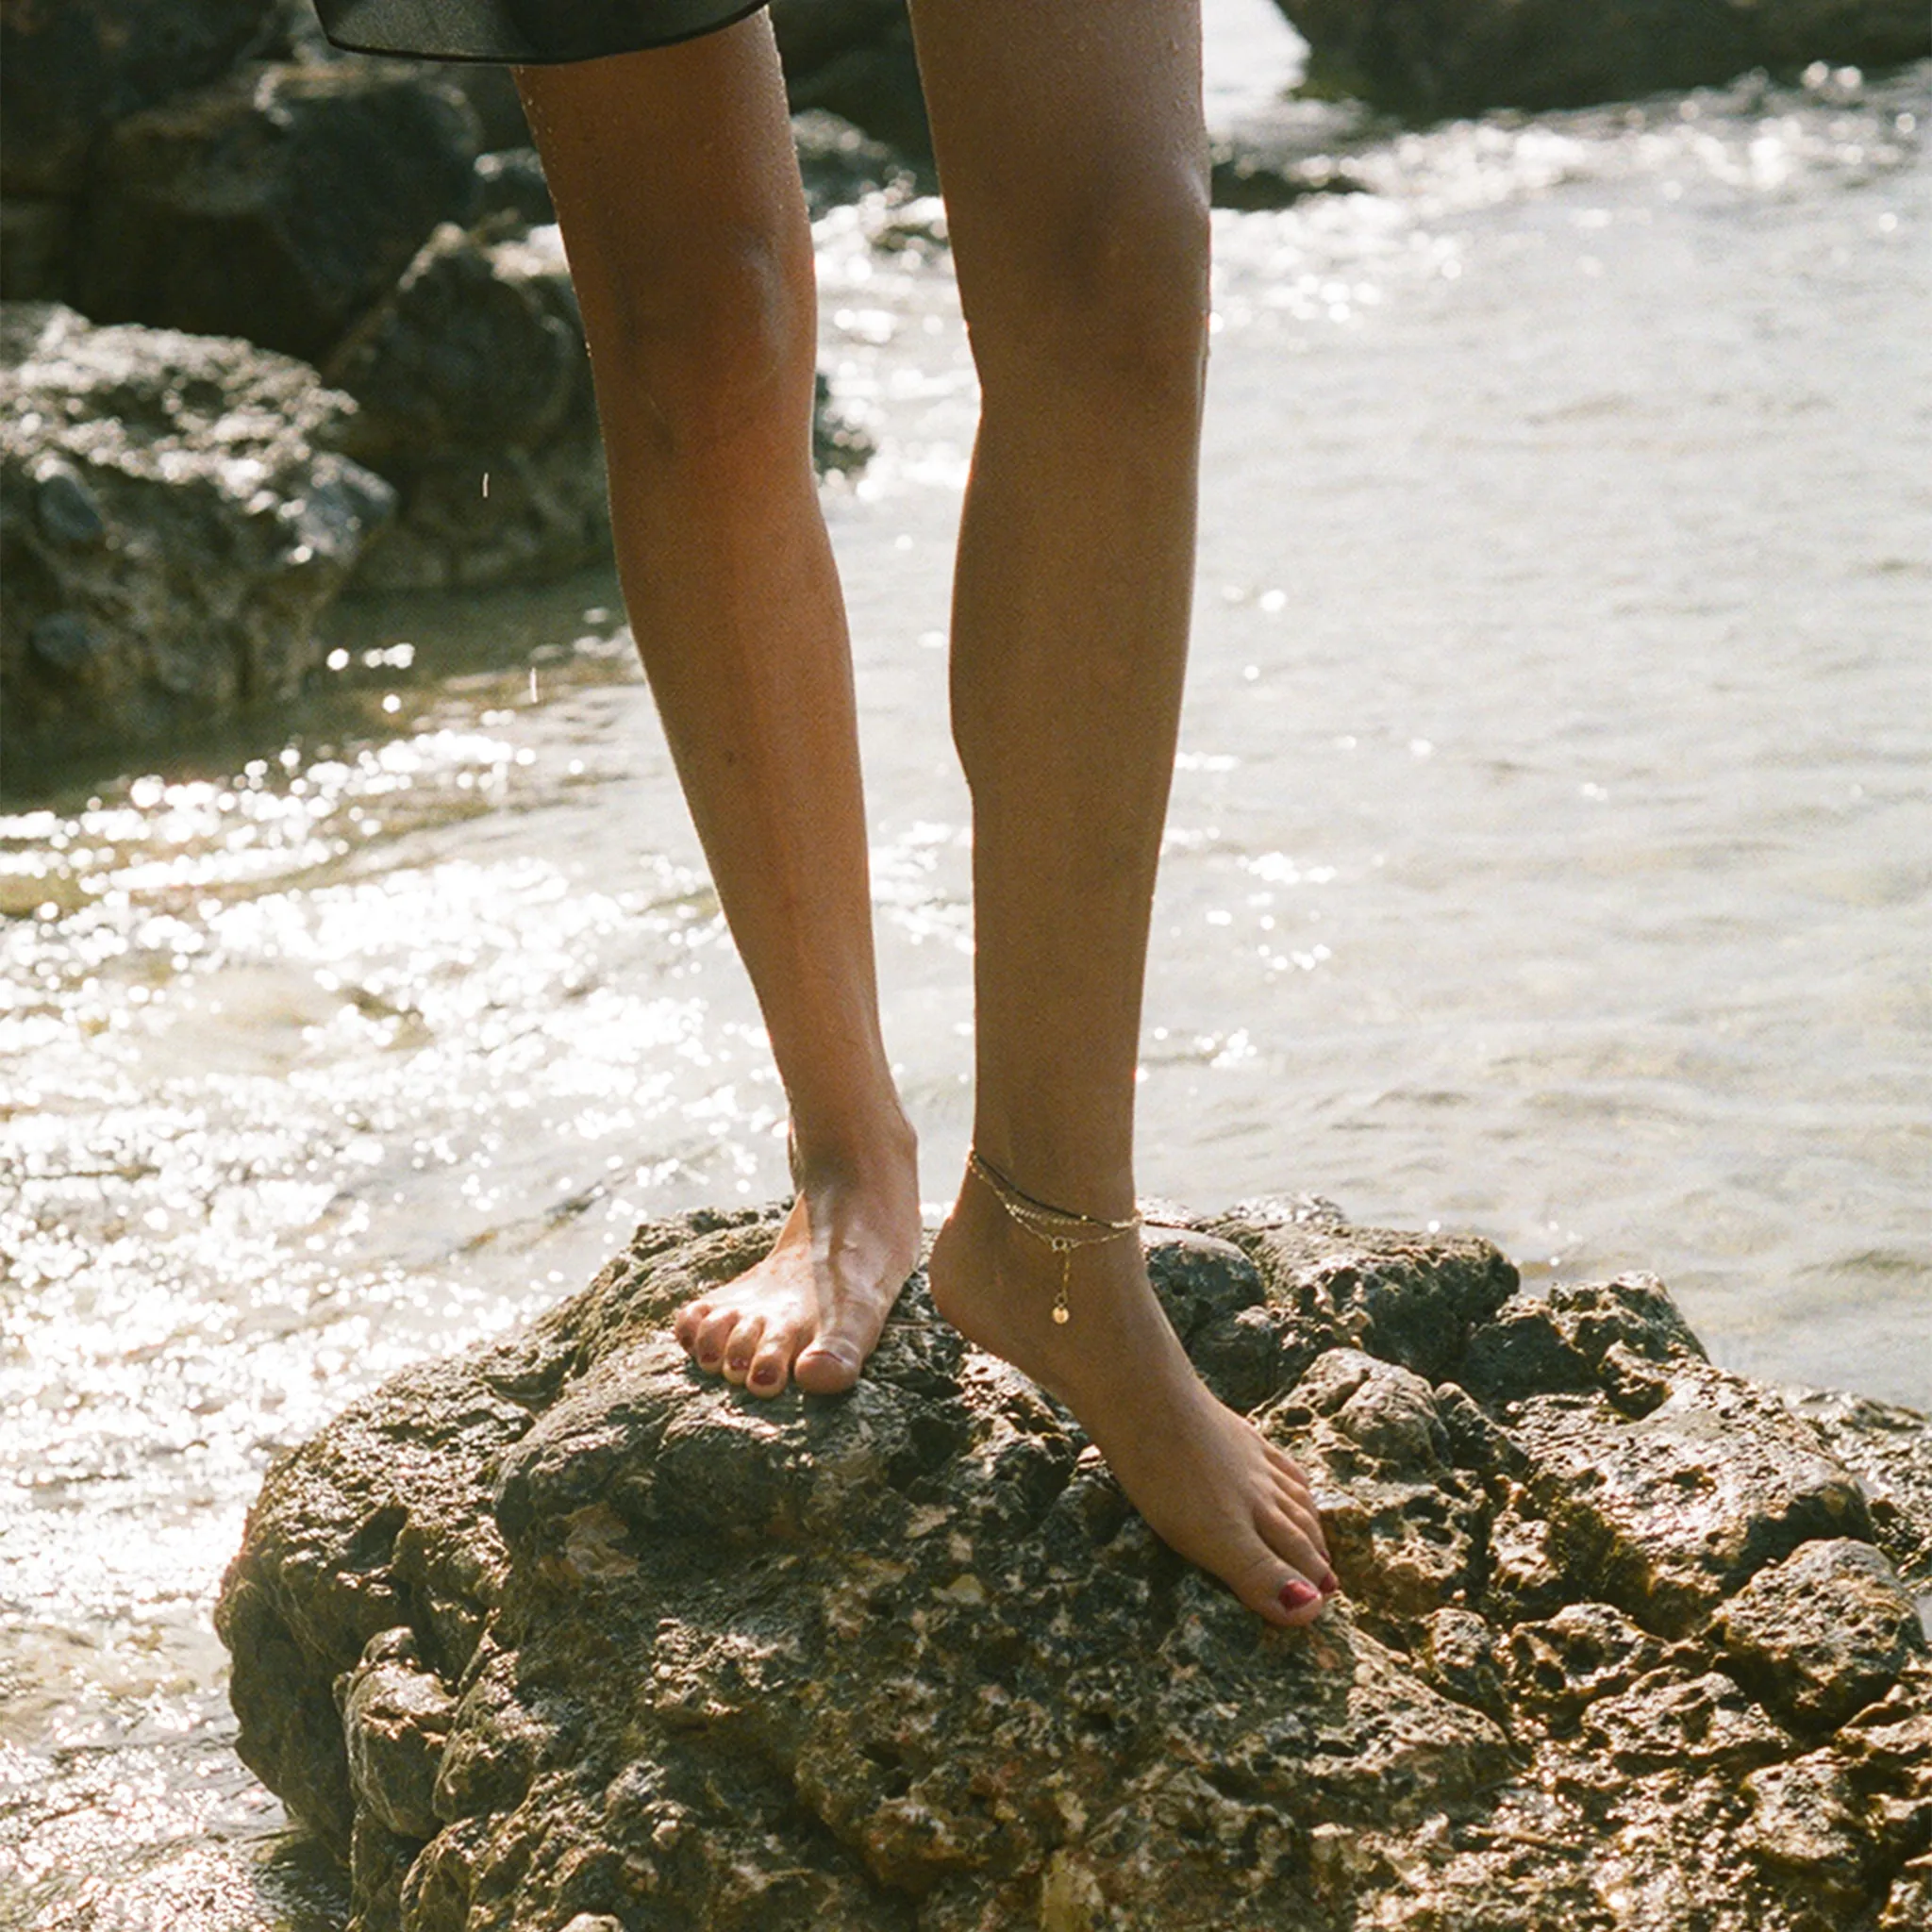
point(1549, 857)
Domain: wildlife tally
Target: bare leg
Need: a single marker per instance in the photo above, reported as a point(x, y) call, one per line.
point(1073, 157)
point(678, 194)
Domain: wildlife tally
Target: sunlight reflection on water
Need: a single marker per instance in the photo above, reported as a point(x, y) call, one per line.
point(1548, 856)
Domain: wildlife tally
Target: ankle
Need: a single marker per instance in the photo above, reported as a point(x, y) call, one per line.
point(1083, 1183)
point(854, 1149)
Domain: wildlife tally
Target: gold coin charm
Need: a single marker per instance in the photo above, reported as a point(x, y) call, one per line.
point(1063, 1314)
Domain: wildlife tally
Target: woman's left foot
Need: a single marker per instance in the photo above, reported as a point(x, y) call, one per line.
point(1207, 1482)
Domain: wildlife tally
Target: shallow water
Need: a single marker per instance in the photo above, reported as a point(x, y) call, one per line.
point(1549, 856)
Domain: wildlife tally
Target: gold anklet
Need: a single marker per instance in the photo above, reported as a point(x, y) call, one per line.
point(1059, 1227)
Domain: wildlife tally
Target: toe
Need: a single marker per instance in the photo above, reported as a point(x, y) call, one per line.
point(1299, 1601)
point(713, 1337)
point(1292, 1494)
point(1288, 1472)
point(691, 1318)
point(769, 1367)
point(743, 1347)
point(828, 1367)
point(1306, 1520)
point(1278, 1592)
point(1294, 1547)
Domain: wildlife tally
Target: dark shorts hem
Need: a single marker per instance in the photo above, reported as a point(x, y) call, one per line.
point(481, 31)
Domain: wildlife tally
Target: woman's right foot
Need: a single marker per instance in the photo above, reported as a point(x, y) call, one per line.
point(811, 1312)
point(1209, 1483)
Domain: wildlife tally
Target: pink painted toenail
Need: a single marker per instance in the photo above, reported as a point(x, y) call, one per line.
point(1299, 1596)
point(1330, 1583)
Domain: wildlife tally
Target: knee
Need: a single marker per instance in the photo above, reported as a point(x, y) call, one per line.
point(707, 342)
point(1106, 300)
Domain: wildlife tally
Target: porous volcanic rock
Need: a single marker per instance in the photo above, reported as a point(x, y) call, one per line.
point(1429, 58)
point(173, 519)
point(277, 203)
point(476, 404)
point(1821, 1634)
point(560, 1633)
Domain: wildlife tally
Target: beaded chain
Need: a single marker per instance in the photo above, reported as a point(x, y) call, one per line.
point(1059, 1227)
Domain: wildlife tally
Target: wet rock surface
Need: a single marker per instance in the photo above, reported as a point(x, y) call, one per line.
point(173, 519)
point(1821, 1634)
point(560, 1633)
point(1675, 1511)
point(1430, 57)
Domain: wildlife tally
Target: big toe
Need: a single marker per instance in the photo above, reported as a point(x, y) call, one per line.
point(828, 1366)
point(1282, 1577)
point(1283, 1595)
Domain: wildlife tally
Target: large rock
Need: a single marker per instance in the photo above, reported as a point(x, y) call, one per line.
point(278, 203)
point(1430, 57)
point(1821, 1634)
point(34, 237)
point(560, 1634)
point(68, 71)
point(476, 404)
point(172, 521)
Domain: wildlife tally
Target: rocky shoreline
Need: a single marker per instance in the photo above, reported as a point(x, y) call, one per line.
point(559, 1634)
point(218, 206)
point(209, 188)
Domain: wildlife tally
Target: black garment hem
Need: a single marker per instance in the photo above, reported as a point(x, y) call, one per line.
point(502, 54)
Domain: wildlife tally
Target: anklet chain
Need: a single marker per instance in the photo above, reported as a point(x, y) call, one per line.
point(1061, 1229)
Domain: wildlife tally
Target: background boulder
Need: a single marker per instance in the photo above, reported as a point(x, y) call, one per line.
point(854, 58)
point(68, 71)
point(278, 203)
point(476, 404)
point(215, 170)
point(173, 519)
point(1425, 59)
